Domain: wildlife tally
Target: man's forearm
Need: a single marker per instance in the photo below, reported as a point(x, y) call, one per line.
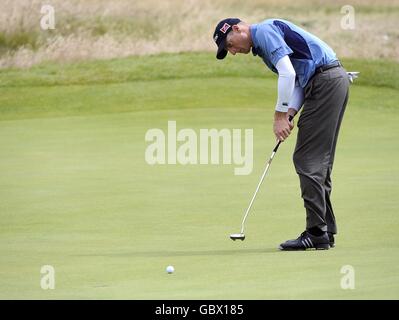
point(286, 83)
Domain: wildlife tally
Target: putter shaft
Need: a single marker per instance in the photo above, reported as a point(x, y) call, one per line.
point(259, 184)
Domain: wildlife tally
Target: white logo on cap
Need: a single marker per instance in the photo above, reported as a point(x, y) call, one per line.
point(216, 37)
point(225, 27)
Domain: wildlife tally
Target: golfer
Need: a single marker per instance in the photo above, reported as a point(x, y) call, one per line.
point(309, 76)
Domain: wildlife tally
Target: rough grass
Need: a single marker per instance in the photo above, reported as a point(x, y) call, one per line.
point(106, 29)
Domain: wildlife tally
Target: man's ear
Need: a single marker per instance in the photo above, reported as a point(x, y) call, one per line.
point(236, 28)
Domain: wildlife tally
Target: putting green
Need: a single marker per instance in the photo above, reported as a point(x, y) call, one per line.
point(76, 192)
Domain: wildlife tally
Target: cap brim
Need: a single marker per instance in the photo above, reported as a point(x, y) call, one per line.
point(222, 52)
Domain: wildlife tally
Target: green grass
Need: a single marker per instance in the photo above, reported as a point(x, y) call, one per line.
point(381, 73)
point(77, 194)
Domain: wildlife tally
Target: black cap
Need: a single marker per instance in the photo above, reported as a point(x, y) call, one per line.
point(220, 34)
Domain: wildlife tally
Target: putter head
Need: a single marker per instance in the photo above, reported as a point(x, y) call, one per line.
point(237, 236)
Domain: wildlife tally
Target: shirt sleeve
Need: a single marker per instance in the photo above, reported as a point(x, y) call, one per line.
point(273, 43)
point(286, 83)
point(297, 98)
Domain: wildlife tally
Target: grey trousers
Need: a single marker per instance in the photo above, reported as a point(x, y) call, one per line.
point(326, 96)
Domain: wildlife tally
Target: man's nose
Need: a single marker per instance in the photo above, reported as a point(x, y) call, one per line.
point(233, 51)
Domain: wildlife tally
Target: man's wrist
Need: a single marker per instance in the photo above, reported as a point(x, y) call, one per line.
point(279, 115)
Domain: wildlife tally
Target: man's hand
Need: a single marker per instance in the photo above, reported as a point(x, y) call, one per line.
point(282, 127)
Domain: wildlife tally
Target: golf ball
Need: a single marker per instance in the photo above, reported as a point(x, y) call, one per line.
point(170, 269)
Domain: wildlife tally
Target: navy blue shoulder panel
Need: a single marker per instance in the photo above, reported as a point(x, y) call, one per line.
point(295, 41)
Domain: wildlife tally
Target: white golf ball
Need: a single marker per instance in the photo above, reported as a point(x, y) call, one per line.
point(170, 269)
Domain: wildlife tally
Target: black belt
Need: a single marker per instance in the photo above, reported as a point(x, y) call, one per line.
point(328, 66)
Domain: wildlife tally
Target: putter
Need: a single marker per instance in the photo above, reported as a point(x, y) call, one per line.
point(241, 235)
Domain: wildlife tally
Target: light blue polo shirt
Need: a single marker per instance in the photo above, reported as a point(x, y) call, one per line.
point(274, 38)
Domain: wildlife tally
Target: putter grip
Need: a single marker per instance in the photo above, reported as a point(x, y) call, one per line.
point(278, 144)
